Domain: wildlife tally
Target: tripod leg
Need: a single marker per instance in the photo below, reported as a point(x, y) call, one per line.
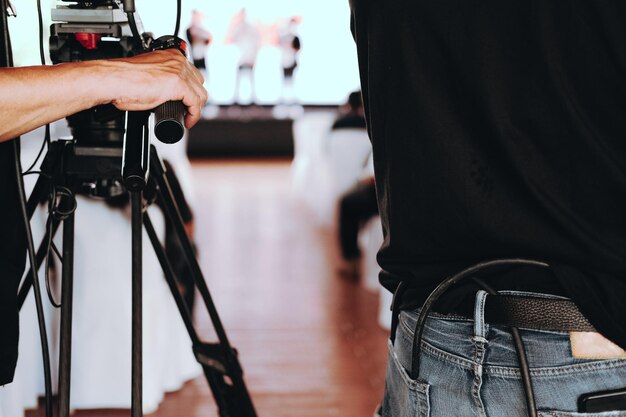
point(234, 392)
point(211, 375)
point(172, 213)
point(136, 372)
point(65, 350)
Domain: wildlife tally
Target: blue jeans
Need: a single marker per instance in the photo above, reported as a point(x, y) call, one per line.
point(469, 368)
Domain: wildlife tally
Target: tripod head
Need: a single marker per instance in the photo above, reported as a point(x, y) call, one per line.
point(85, 31)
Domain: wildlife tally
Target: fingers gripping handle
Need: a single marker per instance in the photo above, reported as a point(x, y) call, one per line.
point(169, 125)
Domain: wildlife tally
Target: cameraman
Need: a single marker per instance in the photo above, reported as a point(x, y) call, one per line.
point(33, 96)
point(499, 131)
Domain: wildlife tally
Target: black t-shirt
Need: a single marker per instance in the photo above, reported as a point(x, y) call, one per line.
point(12, 261)
point(499, 130)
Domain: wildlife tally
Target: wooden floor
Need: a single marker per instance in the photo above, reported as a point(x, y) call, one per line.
point(308, 339)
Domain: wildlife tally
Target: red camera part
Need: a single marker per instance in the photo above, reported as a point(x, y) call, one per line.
point(88, 40)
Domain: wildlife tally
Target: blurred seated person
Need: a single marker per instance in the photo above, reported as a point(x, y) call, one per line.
point(356, 208)
point(353, 116)
point(348, 146)
point(358, 204)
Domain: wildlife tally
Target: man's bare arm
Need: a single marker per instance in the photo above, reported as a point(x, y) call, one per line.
point(33, 96)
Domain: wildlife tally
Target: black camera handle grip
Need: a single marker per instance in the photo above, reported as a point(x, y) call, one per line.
point(169, 117)
point(169, 124)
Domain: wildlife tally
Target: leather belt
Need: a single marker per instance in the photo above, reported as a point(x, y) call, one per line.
point(536, 313)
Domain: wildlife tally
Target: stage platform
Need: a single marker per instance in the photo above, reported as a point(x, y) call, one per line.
point(247, 131)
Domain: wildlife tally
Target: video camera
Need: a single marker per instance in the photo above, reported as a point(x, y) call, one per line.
point(84, 30)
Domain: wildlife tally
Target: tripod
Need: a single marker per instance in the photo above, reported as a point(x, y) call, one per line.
point(70, 165)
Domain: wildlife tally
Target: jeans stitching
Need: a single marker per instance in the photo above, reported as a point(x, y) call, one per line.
point(505, 371)
point(423, 398)
point(479, 357)
point(409, 323)
point(403, 373)
point(419, 389)
point(439, 353)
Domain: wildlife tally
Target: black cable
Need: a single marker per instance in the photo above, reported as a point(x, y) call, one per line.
point(442, 288)
point(42, 58)
point(43, 62)
point(129, 9)
point(43, 174)
point(55, 207)
point(40, 18)
point(48, 238)
point(55, 213)
point(44, 143)
point(133, 25)
point(41, 319)
point(57, 252)
point(179, 7)
point(521, 356)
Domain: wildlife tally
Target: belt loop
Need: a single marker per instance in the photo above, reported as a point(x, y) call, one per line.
point(395, 309)
point(479, 315)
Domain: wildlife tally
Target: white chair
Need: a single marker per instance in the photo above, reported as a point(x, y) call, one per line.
point(384, 309)
point(311, 174)
point(348, 151)
point(323, 170)
point(370, 239)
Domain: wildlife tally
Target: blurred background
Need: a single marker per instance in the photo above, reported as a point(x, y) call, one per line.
point(278, 180)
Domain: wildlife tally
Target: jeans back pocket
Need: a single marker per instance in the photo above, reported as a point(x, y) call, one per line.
point(404, 397)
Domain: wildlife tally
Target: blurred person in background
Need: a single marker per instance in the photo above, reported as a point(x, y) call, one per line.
point(352, 114)
point(199, 40)
point(290, 46)
point(247, 37)
point(358, 204)
point(356, 207)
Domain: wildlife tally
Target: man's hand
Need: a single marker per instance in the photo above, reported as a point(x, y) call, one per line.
point(145, 81)
point(33, 96)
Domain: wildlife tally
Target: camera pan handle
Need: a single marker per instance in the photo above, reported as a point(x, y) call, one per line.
point(169, 124)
